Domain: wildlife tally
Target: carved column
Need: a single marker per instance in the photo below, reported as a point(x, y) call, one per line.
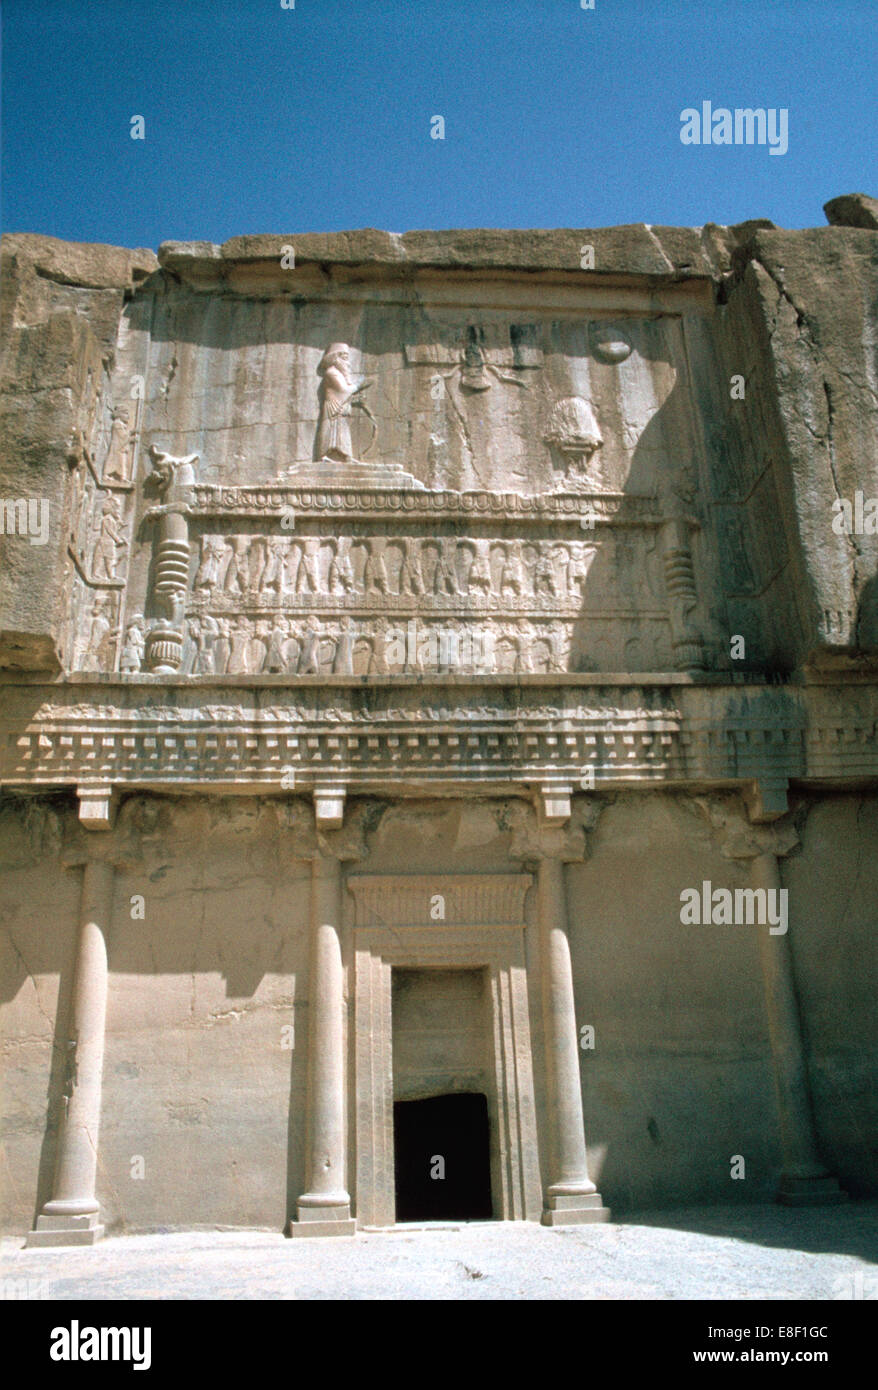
point(174, 479)
point(72, 1215)
point(804, 1180)
point(324, 1209)
point(686, 640)
point(570, 1195)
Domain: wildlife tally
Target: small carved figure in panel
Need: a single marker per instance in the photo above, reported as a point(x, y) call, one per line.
point(222, 646)
point(240, 643)
point(343, 662)
point(291, 646)
point(275, 659)
point(271, 580)
point(257, 561)
point(445, 581)
point(341, 569)
point(581, 556)
point(96, 656)
point(207, 578)
point(238, 573)
point(411, 579)
point(375, 572)
point(309, 570)
point(111, 540)
point(202, 632)
point(506, 653)
point(544, 576)
point(131, 659)
point(479, 580)
point(511, 574)
point(309, 661)
point(257, 650)
point(117, 464)
point(292, 565)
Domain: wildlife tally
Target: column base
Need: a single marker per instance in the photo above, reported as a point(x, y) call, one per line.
point(574, 1209)
point(809, 1192)
point(340, 1227)
point(323, 1214)
point(60, 1230)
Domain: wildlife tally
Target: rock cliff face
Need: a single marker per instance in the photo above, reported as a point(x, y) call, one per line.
point(468, 341)
point(454, 602)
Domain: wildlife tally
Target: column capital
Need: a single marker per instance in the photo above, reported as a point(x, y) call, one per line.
point(119, 849)
point(766, 800)
point(329, 800)
point(740, 837)
point(533, 838)
point(98, 806)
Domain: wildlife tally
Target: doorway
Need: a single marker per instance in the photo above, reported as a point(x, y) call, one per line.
point(442, 1160)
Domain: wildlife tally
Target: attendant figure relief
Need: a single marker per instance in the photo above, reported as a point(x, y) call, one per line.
point(445, 581)
point(111, 540)
point(240, 643)
point(257, 649)
point(341, 569)
point(203, 631)
point(375, 580)
point(411, 579)
point(272, 578)
point(343, 661)
point(309, 660)
point(292, 564)
point(257, 561)
point(238, 571)
point(222, 646)
point(207, 578)
point(309, 569)
point(133, 645)
point(480, 571)
point(275, 660)
point(96, 657)
point(117, 464)
point(511, 574)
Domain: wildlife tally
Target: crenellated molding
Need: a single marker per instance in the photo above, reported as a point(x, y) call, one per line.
point(120, 735)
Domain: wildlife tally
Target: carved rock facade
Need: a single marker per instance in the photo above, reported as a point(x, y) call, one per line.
point(412, 629)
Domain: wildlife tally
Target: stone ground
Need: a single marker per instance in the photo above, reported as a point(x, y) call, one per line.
point(705, 1252)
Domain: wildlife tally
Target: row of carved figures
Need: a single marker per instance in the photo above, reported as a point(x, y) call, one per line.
point(275, 567)
point(245, 646)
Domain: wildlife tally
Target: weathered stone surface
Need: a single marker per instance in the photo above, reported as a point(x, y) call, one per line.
point(853, 210)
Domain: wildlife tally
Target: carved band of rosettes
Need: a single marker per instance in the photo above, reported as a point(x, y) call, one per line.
point(210, 500)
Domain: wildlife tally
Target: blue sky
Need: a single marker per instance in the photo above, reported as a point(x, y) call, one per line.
point(265, 119)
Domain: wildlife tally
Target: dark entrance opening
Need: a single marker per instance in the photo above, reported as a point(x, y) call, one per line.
point(441, 1151)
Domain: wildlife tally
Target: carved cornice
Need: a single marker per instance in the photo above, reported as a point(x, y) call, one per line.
point(130, 736)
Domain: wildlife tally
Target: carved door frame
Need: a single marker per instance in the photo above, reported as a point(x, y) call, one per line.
point(389, 932)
